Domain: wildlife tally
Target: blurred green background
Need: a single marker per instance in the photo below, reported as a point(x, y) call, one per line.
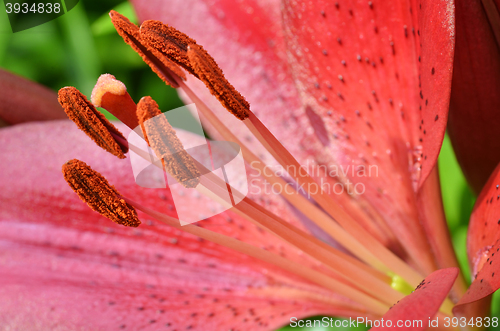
point(77, 47)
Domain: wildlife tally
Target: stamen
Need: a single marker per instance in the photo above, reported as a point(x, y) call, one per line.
point(99, 195)
point(111, 94)
point(161, 65)
point(210, 73)
point(168, 41)
point(90, 121)
point(167, 147)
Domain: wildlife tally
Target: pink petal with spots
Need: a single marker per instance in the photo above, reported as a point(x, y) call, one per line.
point(64, 267)
point(483, 242)
point(380, 91)
point(417, 308)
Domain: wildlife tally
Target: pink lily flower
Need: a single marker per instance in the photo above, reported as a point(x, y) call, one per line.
point(378, 97)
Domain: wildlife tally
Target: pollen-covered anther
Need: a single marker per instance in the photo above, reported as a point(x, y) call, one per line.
point(169, 41)
point(210, 73)
point(99, 195)
point(92, 122)
point(167, 70)
point(111, 94)
point(165, 143)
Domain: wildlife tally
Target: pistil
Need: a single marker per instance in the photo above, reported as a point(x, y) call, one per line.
point(111, 94)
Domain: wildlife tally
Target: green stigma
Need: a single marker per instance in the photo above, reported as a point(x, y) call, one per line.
point(400, 285)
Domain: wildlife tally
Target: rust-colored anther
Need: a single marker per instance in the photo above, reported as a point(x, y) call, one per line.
point(111, 94)
point(169, 41)
point(166, 145)
point(210, 73)
point(92, 122)
point(161, 65)
point(99, 195)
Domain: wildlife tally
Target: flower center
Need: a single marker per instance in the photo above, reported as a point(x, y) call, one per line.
point(375, 277)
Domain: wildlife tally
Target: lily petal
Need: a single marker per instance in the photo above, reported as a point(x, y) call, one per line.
point(40, 105)
point(64, 266)
point(422, 304)
point(381, 94)
point(483, 242)
point(388, 80)
point(475, 101)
